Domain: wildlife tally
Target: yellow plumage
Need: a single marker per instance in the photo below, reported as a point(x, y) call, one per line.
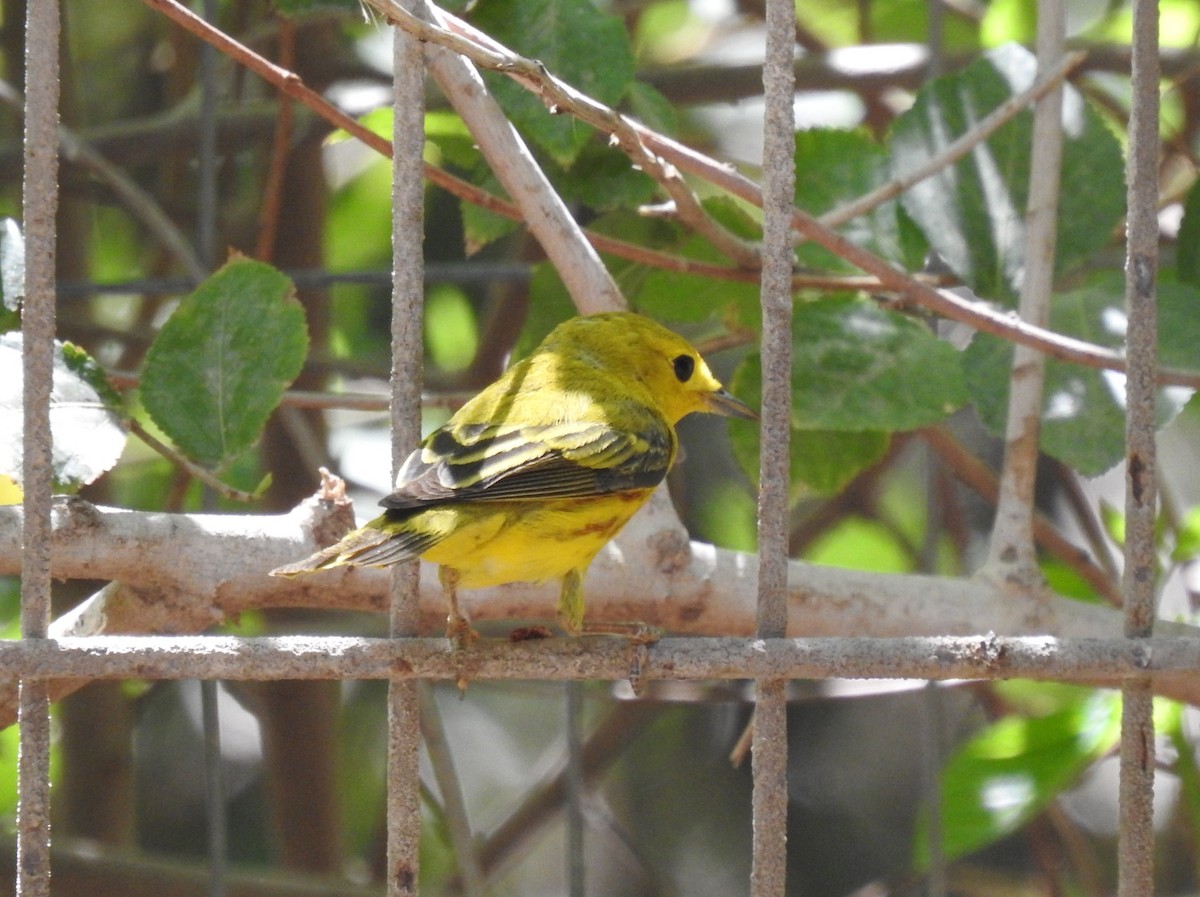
point(530, 478)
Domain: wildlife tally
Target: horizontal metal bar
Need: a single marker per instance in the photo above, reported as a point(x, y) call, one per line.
point(464, 273)
point(326, 657)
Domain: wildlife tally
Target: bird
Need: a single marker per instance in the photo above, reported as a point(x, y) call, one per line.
point(529, 479)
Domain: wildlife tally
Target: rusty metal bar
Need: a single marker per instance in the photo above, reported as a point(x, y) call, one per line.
point(40, 206)
point(408, 302)
point(1102, 660)
point(1135, 849)
point(769, 744)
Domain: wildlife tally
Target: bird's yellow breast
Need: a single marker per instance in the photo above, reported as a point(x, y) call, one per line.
point(492, 543)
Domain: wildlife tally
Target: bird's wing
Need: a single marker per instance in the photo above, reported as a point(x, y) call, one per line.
point(503, 462)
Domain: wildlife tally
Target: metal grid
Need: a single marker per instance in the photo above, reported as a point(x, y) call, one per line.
point(770, 658)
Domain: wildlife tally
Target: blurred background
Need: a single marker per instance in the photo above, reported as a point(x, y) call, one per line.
point(1024, 772)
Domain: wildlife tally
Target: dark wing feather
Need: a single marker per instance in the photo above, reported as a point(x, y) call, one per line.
point(375, 545)
point(569, 459)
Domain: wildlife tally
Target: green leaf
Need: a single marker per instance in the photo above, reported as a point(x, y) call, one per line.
point(1006, 774)
point(858, 544)
point(1187, 243)
point(447, 131)
point(821, 462)
point(859, 372)
point(576, 42)
point(1187, 539)
point(973, 212)
point(551, 306)
point(480, 226)
point(652, 109)
point(87, 432)
point(1083, 409)
point(859, 367)
point(378, 121)
point(673, 296)
point(832, 168)
point(451, 331)
point(358, 226)
point(223, 359)
point(603, 179)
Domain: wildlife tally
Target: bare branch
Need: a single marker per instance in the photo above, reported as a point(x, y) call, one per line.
point(1011, 553)
point(457, 36)
point(481, 49)
point(975, 474)
point(583, 274)
point(184, 573)
point(202, 474)
point(976, 314)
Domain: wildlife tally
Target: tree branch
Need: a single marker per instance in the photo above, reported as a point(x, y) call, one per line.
point(481, 49)
point(543, 210)
point(1012, 556)
point(178, 573)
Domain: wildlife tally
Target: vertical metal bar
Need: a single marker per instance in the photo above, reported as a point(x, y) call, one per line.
point(779, 181)
point(214, 789)
point(206, 242)
point(937, 885)
point(935, 38)
point(206, 148)
point(1136, 839)
point(408, 299)
point(769, 744)
point(573, 779)
point(40, 206)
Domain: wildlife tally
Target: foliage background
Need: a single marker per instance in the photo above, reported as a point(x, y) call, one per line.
point(1025, 772)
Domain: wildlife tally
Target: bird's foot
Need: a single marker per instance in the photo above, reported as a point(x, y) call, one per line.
point(459, 631)
point(461, 636)
point(640, 636)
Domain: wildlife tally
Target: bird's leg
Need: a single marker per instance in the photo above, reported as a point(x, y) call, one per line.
point(570, 602)
point(458, 627)
point(570, 615)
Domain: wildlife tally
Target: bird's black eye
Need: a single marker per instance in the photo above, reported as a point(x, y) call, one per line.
point(685, 366)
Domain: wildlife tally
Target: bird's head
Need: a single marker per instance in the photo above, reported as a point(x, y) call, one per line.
point(670, 368)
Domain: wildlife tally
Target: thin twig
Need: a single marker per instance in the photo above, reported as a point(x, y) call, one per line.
point(272, 196)
point(976, 314)
point(958, 148)
point(455, 35)
point(190, 467)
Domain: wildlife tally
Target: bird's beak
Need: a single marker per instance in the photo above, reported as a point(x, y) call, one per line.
point(721, 402)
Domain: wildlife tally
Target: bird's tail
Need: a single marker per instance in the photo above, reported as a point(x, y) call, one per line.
point(381, 543)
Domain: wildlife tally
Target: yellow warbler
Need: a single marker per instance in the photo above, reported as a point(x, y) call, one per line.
point(531, 477)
